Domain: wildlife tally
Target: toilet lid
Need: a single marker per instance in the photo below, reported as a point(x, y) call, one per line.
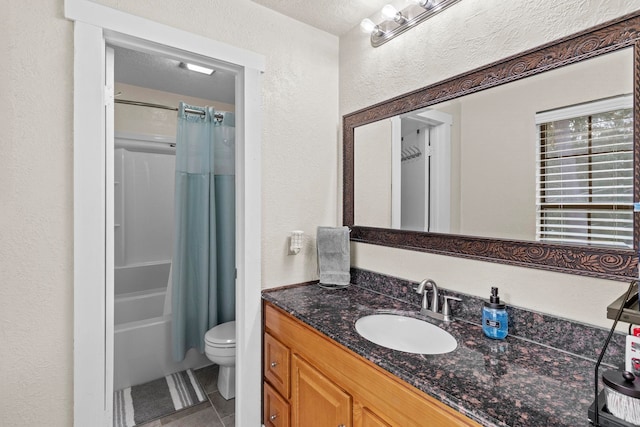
point(224, 333)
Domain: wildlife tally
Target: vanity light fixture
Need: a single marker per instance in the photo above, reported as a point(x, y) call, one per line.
point(397, 22)
point(197, 68)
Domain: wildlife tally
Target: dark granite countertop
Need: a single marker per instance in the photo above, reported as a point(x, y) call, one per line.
point(515, 382)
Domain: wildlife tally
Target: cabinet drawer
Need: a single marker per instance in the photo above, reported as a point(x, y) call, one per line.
point(276, 364)
point(276, 409)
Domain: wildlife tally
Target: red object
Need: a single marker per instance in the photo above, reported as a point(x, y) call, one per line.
point(636, 332)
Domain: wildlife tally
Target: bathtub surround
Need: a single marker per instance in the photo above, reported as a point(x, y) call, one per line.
point(144, 175)
point(144, 172)
point(136, 405)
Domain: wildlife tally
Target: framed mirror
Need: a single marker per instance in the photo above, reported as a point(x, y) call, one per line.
point(529, 161)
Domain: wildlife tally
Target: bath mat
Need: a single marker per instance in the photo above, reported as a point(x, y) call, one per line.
point(139, 404)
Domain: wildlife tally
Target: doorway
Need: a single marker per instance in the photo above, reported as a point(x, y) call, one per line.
point(95, 27)
point(421, 171)
point(147, 91)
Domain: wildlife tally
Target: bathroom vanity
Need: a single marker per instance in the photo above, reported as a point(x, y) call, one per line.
point(317, 367)
point(312, 380)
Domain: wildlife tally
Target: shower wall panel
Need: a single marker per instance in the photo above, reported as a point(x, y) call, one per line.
point(144, 204)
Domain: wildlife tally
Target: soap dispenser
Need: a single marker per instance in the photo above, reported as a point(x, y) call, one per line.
point(495, 320)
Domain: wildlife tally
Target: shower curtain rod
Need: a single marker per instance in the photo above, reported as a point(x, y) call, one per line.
point(217, 116)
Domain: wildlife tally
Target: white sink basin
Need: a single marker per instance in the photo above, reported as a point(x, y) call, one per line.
point(405, 334)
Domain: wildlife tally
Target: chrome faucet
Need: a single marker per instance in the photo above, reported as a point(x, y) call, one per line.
point(434, 311)
point(422, 289)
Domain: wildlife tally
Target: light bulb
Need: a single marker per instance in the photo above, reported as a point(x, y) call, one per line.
point(389, 12)
point(427, 4)
point(367, 25)
point(197, 68)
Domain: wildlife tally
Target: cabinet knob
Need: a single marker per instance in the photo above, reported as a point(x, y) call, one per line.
point(274, 416)
point(341, 425)
point(274, 364)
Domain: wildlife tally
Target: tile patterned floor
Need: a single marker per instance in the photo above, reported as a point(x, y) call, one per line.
point(217, 412)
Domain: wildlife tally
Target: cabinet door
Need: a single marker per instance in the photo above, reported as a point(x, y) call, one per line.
point(276, 409)
point(315, 400)
point(276, 364)
point(369, 419)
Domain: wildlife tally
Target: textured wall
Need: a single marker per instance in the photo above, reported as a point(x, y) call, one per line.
point(36, 215)
point(300, 98)
point(468, 35)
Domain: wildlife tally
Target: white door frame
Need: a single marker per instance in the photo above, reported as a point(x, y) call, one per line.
point(96, 25)
point(439, 212)
point(396, 172)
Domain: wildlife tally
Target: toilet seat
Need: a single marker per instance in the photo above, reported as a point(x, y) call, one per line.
point(223, 335)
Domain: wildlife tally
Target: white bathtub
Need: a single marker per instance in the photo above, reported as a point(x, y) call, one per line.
point(142, 339)
point(141, 277)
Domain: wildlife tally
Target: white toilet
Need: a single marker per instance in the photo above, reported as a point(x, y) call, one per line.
point(220, 348)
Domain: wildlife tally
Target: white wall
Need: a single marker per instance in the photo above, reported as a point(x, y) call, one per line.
point(468, 35)
point(300, 122)
point(155, 121)
point(372, 160)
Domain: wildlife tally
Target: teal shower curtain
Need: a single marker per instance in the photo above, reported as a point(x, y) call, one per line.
point(203, 269)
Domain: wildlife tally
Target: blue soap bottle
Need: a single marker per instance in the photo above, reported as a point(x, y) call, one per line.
point(495, 320)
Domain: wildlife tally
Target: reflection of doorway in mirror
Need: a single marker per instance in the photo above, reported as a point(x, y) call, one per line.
point(425, 172)
point(414, 199)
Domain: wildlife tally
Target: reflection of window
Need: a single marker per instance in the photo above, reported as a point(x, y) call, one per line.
point(585, 174)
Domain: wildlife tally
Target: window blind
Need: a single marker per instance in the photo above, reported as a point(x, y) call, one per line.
point(585, 175)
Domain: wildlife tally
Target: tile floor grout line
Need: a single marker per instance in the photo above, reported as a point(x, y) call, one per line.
point(215, 409)
point(211, 376)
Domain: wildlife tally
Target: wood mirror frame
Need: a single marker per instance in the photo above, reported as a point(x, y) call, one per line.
point(607, 263)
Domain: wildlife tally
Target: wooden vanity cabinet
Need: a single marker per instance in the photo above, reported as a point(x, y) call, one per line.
point(329, 385)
